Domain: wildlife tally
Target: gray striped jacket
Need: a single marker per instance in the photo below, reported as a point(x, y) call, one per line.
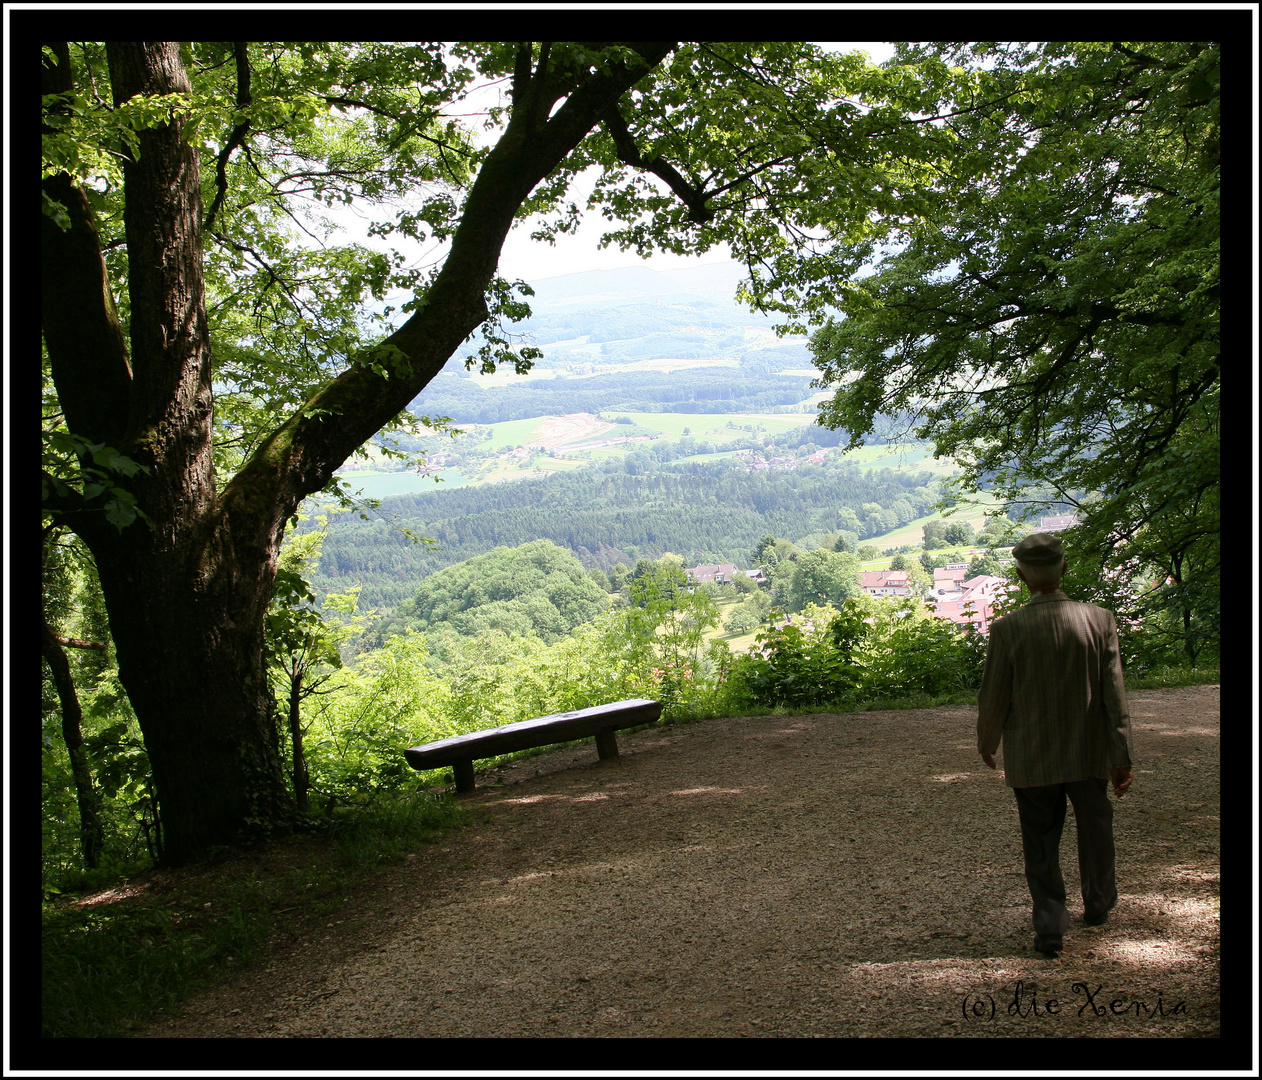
point(1053, 689)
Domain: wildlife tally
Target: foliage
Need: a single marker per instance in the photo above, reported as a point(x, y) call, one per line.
point(119, 770)
point(868, 650)
point(356, 733)
point(795, 664)
point(535, 587)
point(986, 563)
point(821, 578)
point(706, 512)
point(905, 650)
point(749, 614)
point(1051, 316)
point(96, 473)
point(298, 639)
point(670, 619)
point(283, 315)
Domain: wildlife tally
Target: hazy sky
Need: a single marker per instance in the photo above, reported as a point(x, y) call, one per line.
point(531, 260)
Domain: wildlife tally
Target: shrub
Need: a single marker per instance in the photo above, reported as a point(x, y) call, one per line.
point(796, 664)
point(906, 650)
point(357, 731)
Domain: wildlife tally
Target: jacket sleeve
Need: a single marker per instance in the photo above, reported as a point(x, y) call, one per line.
point(995, 696)
point(1116, 708)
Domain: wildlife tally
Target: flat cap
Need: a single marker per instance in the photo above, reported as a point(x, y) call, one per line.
point(1039, 549)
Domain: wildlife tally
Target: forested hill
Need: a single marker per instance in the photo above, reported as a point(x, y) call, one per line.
point(704, 512)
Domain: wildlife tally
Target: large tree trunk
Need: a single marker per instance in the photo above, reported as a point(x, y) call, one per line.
point(189, 641)
point(187, 588)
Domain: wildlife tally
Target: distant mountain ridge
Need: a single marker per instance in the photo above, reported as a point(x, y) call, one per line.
point(632, 284)
point(608, 327)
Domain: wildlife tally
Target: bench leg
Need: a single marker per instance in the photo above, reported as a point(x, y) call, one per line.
point(463, 771)
point(607, 744)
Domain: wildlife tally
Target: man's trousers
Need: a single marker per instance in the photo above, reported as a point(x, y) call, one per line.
point(1042, 812)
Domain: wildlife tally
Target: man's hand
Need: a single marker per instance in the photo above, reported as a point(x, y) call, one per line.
point(989, 760)
point(1122, 780)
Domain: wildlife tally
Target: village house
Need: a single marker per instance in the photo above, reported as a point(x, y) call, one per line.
point(949, 579)
point(719, 573)
point(974, 603)
point(885, 583)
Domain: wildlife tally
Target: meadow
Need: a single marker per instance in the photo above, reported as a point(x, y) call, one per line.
point(486, 463)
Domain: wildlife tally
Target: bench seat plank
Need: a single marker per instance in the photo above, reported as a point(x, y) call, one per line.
point(459, 751)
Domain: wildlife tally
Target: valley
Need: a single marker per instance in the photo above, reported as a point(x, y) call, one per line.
point(662, 417)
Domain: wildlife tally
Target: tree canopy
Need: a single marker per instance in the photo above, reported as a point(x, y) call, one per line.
point(1051, 317)
point(536, 587)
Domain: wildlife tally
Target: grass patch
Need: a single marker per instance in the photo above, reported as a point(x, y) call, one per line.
point(113, 958)
point(1173, 677)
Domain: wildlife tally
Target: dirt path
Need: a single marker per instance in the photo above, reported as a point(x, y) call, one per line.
point(851, 875)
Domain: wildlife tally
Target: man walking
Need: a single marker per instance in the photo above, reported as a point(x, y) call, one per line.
point(1052, 688)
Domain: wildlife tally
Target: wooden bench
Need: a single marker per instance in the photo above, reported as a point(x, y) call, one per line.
point(601, 720)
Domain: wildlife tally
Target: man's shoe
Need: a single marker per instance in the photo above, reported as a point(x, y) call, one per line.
point(1048, 946)
point(1096, 920)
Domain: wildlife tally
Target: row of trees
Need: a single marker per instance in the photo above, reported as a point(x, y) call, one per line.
point(1045, 219)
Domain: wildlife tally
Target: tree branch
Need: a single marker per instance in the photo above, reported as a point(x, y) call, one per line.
point(86, 347)
point(244, 100)
point(300, 456)
point(629, 154)
point(79, 643)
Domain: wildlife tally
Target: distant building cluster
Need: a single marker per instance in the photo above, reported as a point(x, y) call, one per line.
point(722, 574)
point(966, 602)
point(754, 461)
point(956, 597)
point(885, 583)
point(719, 573)
point(969, 602)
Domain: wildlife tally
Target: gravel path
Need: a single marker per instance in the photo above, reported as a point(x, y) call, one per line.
point(852, 875)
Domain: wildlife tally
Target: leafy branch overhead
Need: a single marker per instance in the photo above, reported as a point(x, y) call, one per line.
point(1052, 318)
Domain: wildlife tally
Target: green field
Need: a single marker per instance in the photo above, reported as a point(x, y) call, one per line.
point(512, 433)
point(913, 532)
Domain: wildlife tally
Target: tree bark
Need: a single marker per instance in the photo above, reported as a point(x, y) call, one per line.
point(185, 597)
point(187, 589)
